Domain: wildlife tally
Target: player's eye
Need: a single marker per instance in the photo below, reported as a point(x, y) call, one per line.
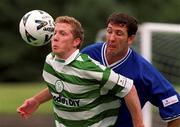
point(62, 33)
point(109, 31)
point(119, 33)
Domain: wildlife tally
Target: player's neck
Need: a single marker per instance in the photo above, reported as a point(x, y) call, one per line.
point(65, 56)
point(112, 58)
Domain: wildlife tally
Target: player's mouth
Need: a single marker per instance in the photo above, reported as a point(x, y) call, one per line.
point(111, 46)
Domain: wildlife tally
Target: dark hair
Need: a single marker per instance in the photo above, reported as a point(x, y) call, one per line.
point(120, 18)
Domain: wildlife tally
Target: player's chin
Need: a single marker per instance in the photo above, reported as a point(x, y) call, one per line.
point(57, 52)
point(55, 49)
point(110, 49)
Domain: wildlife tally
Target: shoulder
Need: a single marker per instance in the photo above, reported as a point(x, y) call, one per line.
point(83, 58)
point(92, 47)
point(50, 57)
point(149, 74)
point(142, 68)
point(140, 61)
point(94, 51)
point(85, 61)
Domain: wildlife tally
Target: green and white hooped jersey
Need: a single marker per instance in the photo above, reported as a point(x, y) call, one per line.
point(85, 93)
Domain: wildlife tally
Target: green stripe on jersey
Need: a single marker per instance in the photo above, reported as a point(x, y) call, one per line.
point(87, 122)
point(105, 76)
point(86, 64)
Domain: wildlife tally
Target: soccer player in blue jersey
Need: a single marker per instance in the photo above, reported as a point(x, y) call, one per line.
point(117, 54)
point(84, 92)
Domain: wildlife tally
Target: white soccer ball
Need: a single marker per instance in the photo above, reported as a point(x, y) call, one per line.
point(36, 27)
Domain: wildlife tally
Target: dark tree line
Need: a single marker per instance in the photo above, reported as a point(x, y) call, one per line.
point(21, 62)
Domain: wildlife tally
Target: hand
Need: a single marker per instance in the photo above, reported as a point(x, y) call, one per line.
point(28, 107)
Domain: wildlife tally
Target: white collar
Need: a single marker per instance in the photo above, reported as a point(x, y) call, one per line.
point(72, 57)
point(117, 63)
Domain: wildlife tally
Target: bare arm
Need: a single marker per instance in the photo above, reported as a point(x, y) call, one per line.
point(43, 96)
point(133, 104)
point(174, 123)
point(31, 105)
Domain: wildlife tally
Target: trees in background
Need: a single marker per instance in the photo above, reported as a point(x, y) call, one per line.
point(21, 62)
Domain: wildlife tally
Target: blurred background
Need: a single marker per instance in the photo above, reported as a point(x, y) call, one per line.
point(21, 64)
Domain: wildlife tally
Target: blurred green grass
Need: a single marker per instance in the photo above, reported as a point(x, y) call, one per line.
point(177, 87)
point(13, 95)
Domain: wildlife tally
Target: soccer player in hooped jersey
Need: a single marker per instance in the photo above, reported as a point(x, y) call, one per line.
point(84, 92)
point(150, 84)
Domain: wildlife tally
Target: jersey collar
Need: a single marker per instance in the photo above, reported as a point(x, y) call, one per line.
point(117, 63)
point(69, 59)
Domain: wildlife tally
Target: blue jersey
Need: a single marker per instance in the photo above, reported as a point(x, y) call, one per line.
point(150, 84)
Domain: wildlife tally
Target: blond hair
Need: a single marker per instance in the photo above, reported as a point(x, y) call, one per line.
point(77, 29)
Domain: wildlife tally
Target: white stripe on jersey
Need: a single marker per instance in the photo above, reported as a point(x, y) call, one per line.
point(59, 124)
point(87, 114)
point(113, 78)
point(80, 73)
point(49, 77)
point(120, 80)
point(82, 102)
point(68, 86)
point(105, 122)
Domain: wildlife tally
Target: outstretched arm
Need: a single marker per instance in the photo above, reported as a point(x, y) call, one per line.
point(31, 105)
point(133, 104)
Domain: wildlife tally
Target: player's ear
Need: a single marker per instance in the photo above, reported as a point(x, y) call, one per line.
point(76, 42)
point(131, 39)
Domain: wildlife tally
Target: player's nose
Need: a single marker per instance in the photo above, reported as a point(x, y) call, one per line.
point(111, 37)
